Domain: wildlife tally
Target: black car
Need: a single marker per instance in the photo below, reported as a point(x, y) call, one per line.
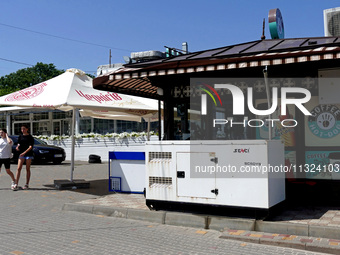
point(42, 152)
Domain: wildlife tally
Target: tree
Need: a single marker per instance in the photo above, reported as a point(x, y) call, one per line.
point(26, 77)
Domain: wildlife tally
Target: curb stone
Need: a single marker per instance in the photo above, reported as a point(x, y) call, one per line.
point(78, 208)
point(186, 220)
point(324, 231)
point(138, 214)
point(220, 223)
point(282, 228)
point(110, 211)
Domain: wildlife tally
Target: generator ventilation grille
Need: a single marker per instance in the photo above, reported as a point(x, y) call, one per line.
point(115, 183)
point(160, 180)
point(159, 156)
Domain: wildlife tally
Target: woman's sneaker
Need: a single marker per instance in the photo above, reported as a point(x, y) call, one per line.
point(25, 187)
point(14, 186)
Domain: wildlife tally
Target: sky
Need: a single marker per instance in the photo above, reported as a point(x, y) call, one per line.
point(80, 33)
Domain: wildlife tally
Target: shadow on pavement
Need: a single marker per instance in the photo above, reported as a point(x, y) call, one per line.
point(39, 189)
point(308, 201)
point(49, 187)
point(97, 187)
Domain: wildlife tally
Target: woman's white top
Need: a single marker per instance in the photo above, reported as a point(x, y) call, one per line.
point(5, 148)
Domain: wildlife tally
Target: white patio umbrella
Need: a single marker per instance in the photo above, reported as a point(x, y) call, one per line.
point(73, 90)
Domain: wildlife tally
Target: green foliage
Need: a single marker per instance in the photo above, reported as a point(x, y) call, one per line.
point(91, 75)
point(26, 77)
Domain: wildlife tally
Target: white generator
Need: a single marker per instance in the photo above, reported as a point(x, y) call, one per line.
point(242, 173)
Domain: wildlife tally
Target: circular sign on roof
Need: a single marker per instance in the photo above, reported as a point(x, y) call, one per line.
point(276, 27)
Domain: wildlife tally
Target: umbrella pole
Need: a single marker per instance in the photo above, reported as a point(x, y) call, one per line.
point(73, 142)
point(149, 129)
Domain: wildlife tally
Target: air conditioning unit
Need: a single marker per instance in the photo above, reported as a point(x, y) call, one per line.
point(332, 21)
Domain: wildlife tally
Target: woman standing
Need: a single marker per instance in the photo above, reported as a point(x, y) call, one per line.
point(5, 154)
point(25, 148)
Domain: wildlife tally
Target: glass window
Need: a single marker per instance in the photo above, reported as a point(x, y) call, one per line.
point(36, 128)
point(3, 124)
point(40, 116)
point(59, 115)
point(119, 126)
point(2, 121)
point(56, 128)
point(102, 126)
point(65, 127)
point(133, 126)
point(41, 128)
point(21, 116)
point(85, 125)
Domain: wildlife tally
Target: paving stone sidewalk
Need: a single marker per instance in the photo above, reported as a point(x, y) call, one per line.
point(325, 245)
point(302, 219)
